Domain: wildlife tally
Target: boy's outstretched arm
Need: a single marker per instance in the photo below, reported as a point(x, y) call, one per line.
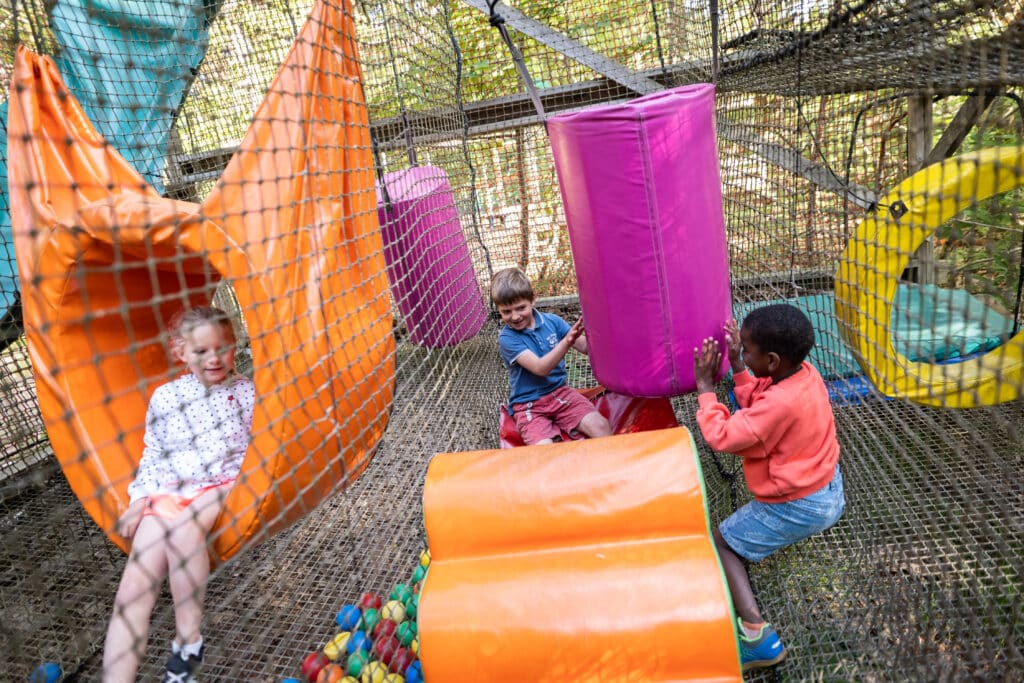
point(543, 365)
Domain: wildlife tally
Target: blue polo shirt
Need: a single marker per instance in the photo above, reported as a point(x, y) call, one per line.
point(524, 386)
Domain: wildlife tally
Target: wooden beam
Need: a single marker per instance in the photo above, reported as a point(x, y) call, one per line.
point(563, 44)
point(965, 119)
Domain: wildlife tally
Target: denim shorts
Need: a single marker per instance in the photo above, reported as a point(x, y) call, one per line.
point(758, 529)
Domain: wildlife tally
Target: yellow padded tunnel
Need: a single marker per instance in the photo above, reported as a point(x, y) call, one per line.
point(581, 561)
point(875, 258)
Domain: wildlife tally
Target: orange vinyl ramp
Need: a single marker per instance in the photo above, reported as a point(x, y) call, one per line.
point(104, 262)
point(578, 561)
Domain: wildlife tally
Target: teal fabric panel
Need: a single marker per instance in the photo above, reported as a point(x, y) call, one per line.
point(130, 64)
point(929, 323)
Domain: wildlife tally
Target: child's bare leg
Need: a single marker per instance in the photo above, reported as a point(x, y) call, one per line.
point(189, 563)
point(136, 596)
point(595, 425)
point(739, 582)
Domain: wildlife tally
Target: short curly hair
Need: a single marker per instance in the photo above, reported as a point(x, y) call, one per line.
point(781, 329)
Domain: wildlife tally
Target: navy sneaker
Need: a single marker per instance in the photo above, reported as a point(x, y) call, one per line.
point(182, 668)
point(764, 650)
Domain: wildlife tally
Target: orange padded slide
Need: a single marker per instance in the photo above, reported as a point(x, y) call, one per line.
point(104, 262)
point(579, 561)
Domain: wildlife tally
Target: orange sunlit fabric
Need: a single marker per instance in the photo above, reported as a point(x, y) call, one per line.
point(579, 561)
point(104, 262)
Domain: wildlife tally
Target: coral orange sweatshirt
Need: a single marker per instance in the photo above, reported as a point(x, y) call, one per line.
point(785, 433)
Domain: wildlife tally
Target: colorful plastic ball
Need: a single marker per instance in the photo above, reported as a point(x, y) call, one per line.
point(406, 632)
point(371, 617)
point(412, 607)
point(394, 678)
point(47, 672)
point(350, 679)
point(393, 610)
point(290, 680)
point(385, 648)
point(332, 673)
point(384, 628)
point(425, 558)
point(359, 641)
point(337, 646)
point(374, 672)
point(414, 674)
point(418, 574)
point(348, 617)
point(401, 593)
point(313, 664)
point(370, 600)
point(401, 660)
point(357, 661)
point(415, 646)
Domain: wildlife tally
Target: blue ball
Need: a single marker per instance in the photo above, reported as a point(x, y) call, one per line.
point(360, 640)
point(348, 617)
point(291, 680)
point(48, 672)
point(414, 673)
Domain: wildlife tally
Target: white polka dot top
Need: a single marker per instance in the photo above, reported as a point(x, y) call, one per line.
point(195, 437)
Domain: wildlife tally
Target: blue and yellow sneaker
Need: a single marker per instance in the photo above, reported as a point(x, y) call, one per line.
point(764, 650)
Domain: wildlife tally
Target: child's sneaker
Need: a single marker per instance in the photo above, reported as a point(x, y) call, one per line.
point(182, 667)
point(764, 650)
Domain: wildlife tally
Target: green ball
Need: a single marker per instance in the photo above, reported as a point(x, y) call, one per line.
point(401, 593)
point(406, 632)
point(418, 574)
point(356, 661)
point(371, 616)
point(412, 606)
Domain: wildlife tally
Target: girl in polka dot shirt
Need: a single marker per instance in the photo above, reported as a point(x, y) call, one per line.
point(197, 430)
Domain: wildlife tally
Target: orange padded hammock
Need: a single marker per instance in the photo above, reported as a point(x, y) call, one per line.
point(104, 263)
point(576, 561)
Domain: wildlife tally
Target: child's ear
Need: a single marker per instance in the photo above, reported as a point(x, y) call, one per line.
point(774, 361)
point(178, 349)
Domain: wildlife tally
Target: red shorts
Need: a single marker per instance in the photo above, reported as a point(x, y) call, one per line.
point(169, 505)
point(550, 415)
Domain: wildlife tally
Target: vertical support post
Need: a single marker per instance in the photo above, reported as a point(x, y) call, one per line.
point(919, 142)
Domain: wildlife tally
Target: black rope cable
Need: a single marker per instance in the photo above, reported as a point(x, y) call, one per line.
point(657, 38)
point(498, 22)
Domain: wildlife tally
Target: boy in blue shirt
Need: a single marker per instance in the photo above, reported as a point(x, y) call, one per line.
point(533, 346)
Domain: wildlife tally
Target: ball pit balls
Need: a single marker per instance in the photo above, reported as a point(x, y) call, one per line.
point(414, 674)
point(412, 607)
point(370, 601)
point(371, 617)
point(47, 672)
point(394, 678)
point(332, 673)
point(291, 680)
point(415, 646)
point(358, 641)
point(385, 648)
point(401, 593)
point(312, 664)
point(374, 672)
point(425, 558)
point(393, 610)
point(350, 679)
point(348, 617)
point(384, 628)
point(356, 662)
point(406, 632)
point(337, 646)
point(401, 660)
point(418, 574)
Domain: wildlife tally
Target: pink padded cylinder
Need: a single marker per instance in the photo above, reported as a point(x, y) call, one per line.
point(428, 261)
point(643, 203)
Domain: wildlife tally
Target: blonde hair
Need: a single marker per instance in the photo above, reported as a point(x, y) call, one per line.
point(509, 286)
point(189, 319)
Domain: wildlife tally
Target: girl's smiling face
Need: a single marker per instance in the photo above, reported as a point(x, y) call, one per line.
point(209, 352)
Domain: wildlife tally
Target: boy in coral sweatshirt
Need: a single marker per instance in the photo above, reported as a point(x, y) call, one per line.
point(786, 434)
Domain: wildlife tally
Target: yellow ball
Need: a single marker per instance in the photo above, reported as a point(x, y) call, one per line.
point(415, 646)
point(375, 672)
point(393, 610)
point(336, 647)
point(349, 679)
point(425, 558)
point(394, 678)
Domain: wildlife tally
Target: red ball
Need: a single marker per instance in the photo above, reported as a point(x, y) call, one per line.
point(384, 629)
point(313, 663)
point(370, 601)
point(401, 660)
point(385, 648)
